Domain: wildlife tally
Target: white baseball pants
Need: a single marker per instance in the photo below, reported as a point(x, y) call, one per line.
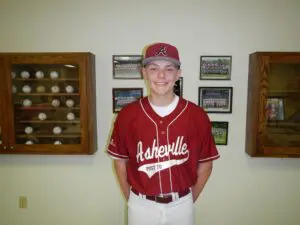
point(142, 211)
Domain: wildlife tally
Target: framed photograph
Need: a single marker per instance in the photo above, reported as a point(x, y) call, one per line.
point(215, 67)
point(275, 108)
point(124, 96)
point(220, 132)
point(127, 66)
point(178, 87)
point(216, 99)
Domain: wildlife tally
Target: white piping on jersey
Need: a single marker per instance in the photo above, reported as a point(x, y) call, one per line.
point(113, 153)
point(169, 142)
point(213, 157)
point(160, 186)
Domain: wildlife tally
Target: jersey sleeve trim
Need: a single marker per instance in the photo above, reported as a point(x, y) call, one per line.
point(209, 159)
point(115, 155)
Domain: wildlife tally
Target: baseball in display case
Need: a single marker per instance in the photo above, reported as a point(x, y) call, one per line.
point(51, 103)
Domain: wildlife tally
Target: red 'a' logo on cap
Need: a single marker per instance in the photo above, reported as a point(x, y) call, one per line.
point(162, 51)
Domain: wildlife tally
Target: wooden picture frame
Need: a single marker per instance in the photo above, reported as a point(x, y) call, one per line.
point(124, 96)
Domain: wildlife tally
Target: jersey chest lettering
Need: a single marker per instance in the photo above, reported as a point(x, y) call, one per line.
point(177, 148)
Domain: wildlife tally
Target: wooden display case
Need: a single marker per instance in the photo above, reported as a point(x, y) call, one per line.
point(273, 107)
point(47, 103)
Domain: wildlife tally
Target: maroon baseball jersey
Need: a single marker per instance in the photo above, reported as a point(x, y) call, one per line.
point(162, 152)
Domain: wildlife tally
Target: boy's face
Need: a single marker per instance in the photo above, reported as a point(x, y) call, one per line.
point(161, 76)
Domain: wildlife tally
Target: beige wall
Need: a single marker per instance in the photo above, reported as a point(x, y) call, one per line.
point(82, 190)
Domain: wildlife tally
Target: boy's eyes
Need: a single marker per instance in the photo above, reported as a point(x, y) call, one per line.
point(168, 69)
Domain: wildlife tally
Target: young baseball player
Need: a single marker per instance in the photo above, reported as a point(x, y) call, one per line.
point(162, 146)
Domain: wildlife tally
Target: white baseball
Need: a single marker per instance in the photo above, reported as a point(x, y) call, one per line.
point(55, 89)
point(13, 75)
point(39, 74)
point(42, 116)
point(29, 142)
point(14, 89)
point(26, 89)
point(27, 102)
point(55, 102)
point(54, 75)
point(25, 74)
point(57, 142)
point(28, 130)
point(69, 89)
point(56, 130)
point(70, 103)
point(40, 89)
point(70, 116)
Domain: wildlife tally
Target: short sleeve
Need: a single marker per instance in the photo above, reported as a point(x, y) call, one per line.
point(117, 147)
point(208, 149)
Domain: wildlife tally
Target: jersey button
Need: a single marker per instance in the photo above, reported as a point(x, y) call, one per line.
point(161, 122)
point(163, 132)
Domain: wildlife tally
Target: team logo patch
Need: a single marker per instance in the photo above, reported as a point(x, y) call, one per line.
point(162, 51)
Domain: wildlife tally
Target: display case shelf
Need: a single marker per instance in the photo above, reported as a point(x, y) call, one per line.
point(50, 121)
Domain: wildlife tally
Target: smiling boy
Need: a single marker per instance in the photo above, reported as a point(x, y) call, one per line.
point(162, 146)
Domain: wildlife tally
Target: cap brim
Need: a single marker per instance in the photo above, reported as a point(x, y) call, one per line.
point(151, 59)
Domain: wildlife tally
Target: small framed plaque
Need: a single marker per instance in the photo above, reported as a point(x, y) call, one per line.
point(178, 87)
point(124, 96)
point(216, 99)
point(127, 66)
point(215, 67)
point(220, 132)
point(275, 108)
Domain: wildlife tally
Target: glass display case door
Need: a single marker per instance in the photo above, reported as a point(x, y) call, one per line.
point(283, 107)
point(46, 104)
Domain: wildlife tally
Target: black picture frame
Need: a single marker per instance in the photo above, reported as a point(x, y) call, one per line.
point(220, 132)
point(215, 67)
point(123, 96)
point(216, 99)
point(178, 87)
point(127, 66)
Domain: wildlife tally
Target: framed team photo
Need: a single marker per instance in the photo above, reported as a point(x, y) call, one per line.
point(124, 96)
point(215, 67)
point(178, 87)
point(216, 99)
point(127, 66)
point(220, 132)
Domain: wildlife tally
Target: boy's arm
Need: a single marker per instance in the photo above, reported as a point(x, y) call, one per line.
point(204, 170)
point(121, 171)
